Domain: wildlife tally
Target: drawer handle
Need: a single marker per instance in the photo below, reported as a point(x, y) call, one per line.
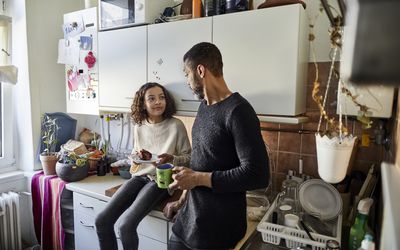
point(130, 98)
point(80, 203)
point(83, 224)
point(190, 100)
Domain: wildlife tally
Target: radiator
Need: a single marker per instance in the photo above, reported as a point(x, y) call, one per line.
point(10, 230)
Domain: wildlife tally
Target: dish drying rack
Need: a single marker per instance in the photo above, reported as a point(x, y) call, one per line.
point(273, 233)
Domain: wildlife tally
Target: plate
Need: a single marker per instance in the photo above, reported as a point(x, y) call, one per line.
point(320, 199)
point(137, 160)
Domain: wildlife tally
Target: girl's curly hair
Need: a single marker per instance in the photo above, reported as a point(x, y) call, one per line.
point(138, 111)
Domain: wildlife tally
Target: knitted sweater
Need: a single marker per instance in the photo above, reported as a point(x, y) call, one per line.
point(168, 136)
point(226, 141)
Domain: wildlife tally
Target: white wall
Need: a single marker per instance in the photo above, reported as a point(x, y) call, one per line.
point(36, 30)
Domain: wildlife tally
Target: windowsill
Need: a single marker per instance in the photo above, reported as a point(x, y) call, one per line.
point(11, 176)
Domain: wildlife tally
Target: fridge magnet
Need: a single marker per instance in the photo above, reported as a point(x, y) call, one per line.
point(86, 43)
point(73, 81)
point(90, 60)
point(72, 29)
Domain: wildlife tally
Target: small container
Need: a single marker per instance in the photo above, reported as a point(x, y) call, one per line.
point(209, 8)
point(196, 8)
point(332, 245)
point(220, 7)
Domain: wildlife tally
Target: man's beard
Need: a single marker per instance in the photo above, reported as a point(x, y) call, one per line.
point(198, 87)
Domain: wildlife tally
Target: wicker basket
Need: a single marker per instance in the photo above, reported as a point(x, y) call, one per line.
point(93, 162)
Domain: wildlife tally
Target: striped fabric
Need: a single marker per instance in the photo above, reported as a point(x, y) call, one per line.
point(46, 193)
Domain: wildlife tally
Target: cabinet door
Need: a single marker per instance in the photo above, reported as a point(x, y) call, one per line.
point(265, 55)
point(85, 232)
point(122, 66)
point(146, 243)
point(167, 43)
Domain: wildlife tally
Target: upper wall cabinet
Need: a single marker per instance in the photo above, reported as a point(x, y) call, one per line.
point(122, 66)
point(167, 43)
point(265, 55)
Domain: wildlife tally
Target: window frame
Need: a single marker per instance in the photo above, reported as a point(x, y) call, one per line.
point(7, 160)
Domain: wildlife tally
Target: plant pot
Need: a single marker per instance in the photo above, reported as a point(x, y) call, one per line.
point(333, 157)
point(49, 163)
point(70, 172)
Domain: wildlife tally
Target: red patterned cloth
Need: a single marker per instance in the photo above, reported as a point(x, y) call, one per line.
point(46, 193)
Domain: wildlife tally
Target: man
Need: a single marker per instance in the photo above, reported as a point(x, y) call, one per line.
point(228, 158)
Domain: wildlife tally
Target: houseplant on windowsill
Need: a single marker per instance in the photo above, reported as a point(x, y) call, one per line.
point(49, 157)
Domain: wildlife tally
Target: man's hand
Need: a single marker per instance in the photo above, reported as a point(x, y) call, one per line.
point(186, 178)
point(171, 210)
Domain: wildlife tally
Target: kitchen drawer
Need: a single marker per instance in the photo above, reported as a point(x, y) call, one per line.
point(154, 228)
point(146, 243)
point(88, 205)
point(85, 232)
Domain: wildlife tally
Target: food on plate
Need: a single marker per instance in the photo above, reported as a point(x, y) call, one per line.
point(144, 155)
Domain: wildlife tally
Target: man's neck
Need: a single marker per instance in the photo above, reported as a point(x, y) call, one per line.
point(216, 90)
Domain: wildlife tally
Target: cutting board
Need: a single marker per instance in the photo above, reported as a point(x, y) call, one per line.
point(111, 191)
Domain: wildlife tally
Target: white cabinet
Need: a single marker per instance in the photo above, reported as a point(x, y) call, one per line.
point(167, 43)
point(265, 55)
point(122, 66)
point(153, 232)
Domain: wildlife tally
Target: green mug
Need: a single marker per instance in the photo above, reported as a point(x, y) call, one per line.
point(164, 175)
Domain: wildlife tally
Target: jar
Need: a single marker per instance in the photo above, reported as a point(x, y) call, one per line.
point(209, 8)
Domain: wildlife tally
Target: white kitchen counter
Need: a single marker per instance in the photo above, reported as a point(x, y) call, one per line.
point(95, 186)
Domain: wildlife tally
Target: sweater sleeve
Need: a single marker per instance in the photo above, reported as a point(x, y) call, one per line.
point(253, 171)
point(183, 148)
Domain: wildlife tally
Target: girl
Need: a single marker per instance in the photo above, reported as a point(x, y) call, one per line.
point(159, 133)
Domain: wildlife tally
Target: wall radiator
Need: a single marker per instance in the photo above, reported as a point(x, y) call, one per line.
point(10, 230)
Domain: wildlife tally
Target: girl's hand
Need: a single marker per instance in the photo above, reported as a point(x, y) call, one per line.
point(165, 158)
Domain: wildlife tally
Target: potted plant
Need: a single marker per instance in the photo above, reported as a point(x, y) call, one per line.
point(72, 167)
point(334, 144)
point(49, 157)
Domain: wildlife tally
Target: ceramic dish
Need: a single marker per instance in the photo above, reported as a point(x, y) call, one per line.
point(137, 160)
point(320, 199)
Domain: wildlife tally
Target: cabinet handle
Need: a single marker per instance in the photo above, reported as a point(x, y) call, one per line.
point(83, 224)
point(80, 203)
point(190, 100)
point(130, 98)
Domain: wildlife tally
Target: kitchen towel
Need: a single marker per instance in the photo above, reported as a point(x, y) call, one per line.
point(46, 193)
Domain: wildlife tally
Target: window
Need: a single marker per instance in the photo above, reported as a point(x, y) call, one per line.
point(6, 128)
point(6, 118)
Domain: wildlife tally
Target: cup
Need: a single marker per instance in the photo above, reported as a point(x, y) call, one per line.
point(291, 220)
point(283, 210)
point(164, 175)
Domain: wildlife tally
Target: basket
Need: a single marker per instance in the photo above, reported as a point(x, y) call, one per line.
point(93, 162)
point(273, 233)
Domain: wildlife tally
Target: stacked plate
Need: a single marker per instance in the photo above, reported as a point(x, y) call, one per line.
point(320, 199)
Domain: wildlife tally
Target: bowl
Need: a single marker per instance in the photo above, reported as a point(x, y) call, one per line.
point(70, 172)
point(124, 172)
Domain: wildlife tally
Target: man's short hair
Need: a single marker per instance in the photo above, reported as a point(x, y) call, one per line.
point(206, 54)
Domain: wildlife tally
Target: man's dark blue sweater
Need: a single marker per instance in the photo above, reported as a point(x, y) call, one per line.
point(226, 141)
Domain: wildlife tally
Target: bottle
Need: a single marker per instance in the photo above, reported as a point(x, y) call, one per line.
point(196, 8)
point(209, 8)
point(357, 231)
point(367, 243)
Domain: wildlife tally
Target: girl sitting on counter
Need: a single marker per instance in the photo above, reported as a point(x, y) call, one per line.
point(158, 132)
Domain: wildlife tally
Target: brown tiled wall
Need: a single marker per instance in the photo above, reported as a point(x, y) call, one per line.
point(287, 148)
